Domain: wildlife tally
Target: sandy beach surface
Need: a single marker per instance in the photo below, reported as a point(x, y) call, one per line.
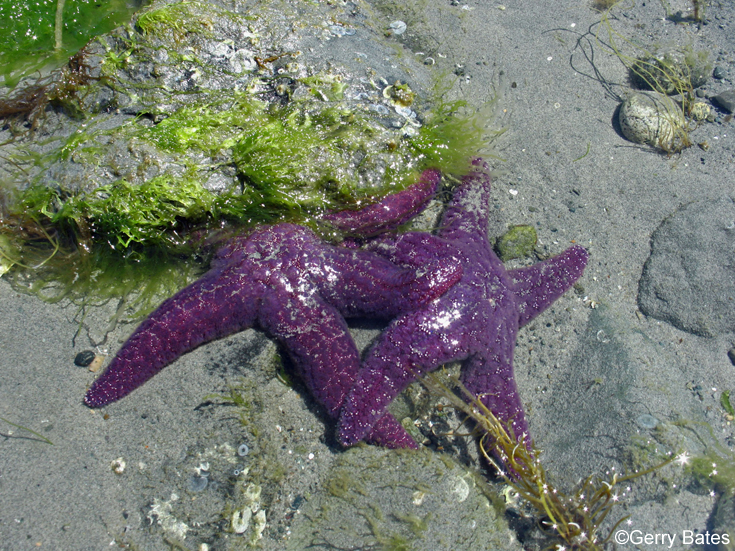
point(629, 366)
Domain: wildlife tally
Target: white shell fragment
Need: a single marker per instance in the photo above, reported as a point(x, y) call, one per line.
point(259, 523)
point(461, 489)
point(241, 520)
point(397, 27)
point(653, 119)
point(118, 465)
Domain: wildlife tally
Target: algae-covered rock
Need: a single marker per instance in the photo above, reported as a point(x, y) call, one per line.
point(672, 71)
point(204, 118)
point(517, 242)
point(400, 499)
point(264, 110)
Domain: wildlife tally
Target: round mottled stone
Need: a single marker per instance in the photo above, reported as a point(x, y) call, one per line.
point(689, 279)
point(653, 119)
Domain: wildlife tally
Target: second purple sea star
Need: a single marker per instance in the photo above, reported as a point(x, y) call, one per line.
point(475, 321)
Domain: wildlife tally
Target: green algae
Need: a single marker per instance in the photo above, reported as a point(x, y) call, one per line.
point(715, 471)
point(177, 20)
point(517, 242)
point(33, 432)
point(725, 402)
point(153, 214)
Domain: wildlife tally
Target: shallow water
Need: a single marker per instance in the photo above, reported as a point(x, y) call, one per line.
point(41, 36)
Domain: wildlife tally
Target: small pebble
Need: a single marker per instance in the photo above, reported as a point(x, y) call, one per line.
point(731, 355)
point(339, 30)
point(118, 466)
point(718, 73)
point(84, 358)
point(297, 502)
point(94, 367)
point(397, 27)
point(198, 483)
point(647, 421)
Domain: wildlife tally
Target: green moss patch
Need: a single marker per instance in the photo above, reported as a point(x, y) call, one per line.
point(517, 242)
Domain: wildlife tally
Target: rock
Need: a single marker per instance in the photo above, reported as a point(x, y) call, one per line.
point(723, 522)
point(654, 119)
point(700, 111)
point(173, 94)
point(725, 100)
point(671, 71)
point(719, 73)
point(688, 279)
point(84, 358)
point(400, 499)
point(517, 242)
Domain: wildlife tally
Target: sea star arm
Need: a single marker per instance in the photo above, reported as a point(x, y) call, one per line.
point(390, 212)
point(262, 280)
point(360, 283)
point(412, 345)
point(324, 355)
point(466, 217)
point(221, 303)
point(491, 380)
point(537, 286)
point(414, 249)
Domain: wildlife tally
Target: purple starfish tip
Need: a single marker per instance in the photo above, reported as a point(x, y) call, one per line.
point(390, 212)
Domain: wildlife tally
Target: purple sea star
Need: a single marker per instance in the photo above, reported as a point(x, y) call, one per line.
point(285, 281)
point(476, 320)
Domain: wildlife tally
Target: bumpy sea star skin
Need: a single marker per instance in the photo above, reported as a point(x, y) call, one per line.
point(285, 281)
point(391, 212)
point(476, 320)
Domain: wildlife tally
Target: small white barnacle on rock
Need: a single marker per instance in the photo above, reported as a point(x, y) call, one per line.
point(118, 465)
